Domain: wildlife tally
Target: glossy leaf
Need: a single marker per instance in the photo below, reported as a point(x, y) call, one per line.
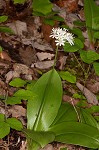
point(17, 82)
point(76, 133)
point(42, 6)
point(65, 75)
point(87, 118)
point(32, 145)
point(78, 32)
point(66, 113)
point(13, 100)
point(43, 138)
point(15, 124)
point(42, 110)
point(24, 94)
point(89, 56)
point(91, 11)
point(2, 117)
point(96, 67)
point(78, 44)
point(4, 129)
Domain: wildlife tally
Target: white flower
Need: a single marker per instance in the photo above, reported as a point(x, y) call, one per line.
point(62, 36)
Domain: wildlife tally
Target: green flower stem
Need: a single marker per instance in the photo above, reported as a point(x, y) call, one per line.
point(55, 59)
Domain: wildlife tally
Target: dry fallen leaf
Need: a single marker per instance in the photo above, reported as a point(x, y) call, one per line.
point(18, 27)
point(43, 64)
point(4, 55)
point(94, 87)
point(42, 56)
point(91, 98)
point(17, 111)
point(70, 5)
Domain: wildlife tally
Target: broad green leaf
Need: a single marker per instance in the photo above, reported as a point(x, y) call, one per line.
point(19, 1)
point(30, 85)
point(1, 49)
point(65, 75)
point(76, 133)
point(2, 117)
point(43, 138)
point(87, 118)
point(42, 6)
point(89, 56)
point(78, 44)
point(6, 30)
point(66, 113)
point(91, 11)
point(17, 82)
point(97, 119)
point(42, 110)
point(3, 18)
point(78, 32)
point(13, 100)
point(32, 145)
point(96, 67)
point(24, 94)
point(4, 129)
point(15, 124)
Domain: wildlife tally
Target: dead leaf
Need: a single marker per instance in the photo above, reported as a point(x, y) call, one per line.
point(69, 99)
point(10, 75)
point(28, 55)
point(42, 56)
point(18, 27)
point(94, 87)
point(17, 111)
point(91, 98)
point(70, 5)
point(22, 69)
point(62, 61)
point(43, 46)
point(43, 64)
point(4, 55)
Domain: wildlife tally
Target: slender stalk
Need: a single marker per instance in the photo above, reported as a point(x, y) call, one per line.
point(78, 116)
point(79, 63)
point(55, 59)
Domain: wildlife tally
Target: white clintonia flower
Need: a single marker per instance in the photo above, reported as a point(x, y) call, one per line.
point(62, 36)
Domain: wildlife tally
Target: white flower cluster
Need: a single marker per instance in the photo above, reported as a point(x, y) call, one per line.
point(62, 36)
